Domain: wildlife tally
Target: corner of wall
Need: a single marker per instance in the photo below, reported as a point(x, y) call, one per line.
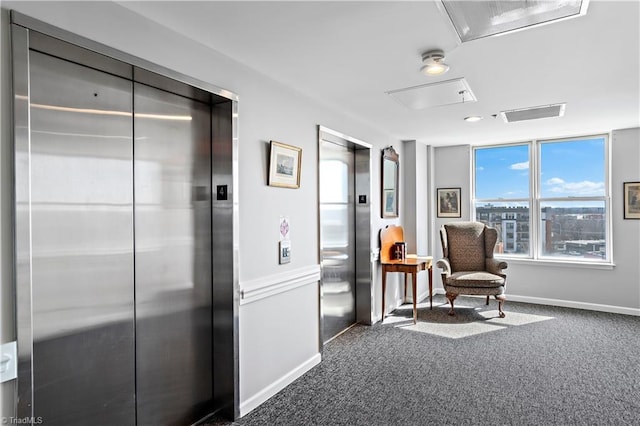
point(7, 317)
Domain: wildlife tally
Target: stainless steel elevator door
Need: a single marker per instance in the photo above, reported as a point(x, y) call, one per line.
point(81, 174)
point(173, 257)
point(337, 236)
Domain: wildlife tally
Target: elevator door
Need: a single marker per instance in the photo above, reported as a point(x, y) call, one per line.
point(121, 240)
point(81, 175)
point(337, 236)
point(173, 257)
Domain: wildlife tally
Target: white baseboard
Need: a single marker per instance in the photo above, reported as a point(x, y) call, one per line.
point(574, 304)
point(253, 402)
point(564, 304)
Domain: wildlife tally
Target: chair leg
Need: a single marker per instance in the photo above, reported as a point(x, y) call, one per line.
point(451, 298)
point(501, 298)
point(487, 300)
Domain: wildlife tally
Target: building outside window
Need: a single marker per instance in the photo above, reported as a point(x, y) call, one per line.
point(547, 199)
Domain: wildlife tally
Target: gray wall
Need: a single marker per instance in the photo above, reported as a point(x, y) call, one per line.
point(615, 289)
point(452, 169)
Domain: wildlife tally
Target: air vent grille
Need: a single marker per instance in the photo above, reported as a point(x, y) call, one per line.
point(533, 113)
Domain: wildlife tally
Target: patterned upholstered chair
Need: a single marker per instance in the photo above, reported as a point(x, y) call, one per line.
point(468, 266)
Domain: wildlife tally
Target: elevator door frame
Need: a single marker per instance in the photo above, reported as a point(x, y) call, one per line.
point(225, 209)
point(363, 224)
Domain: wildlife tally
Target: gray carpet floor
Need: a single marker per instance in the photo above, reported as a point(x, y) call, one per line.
point(540, 365)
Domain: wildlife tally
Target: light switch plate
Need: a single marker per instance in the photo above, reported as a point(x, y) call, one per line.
point(285, 251)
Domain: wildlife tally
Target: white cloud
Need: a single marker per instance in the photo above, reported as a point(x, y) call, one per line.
point(584, 188)
point(479, 168)
point(555, 181)
point(520, 166)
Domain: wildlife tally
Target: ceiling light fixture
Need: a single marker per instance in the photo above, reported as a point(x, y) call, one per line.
point(473, 118)
point(433, 63)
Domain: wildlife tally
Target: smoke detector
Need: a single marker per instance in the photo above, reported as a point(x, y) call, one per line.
point(433, 63)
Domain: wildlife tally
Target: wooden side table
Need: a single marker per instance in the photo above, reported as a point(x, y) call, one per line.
point(411, 265)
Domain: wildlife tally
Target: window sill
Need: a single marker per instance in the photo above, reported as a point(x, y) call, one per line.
point(558, 263)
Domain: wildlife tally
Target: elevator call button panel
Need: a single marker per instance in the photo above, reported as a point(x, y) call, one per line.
point(222, 193)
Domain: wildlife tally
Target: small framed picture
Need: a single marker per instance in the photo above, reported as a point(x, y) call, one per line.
point(389, 205)
point(449, 202)
point(285, 162)
point(632, 200)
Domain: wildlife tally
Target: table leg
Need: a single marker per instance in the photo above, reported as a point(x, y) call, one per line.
point(405, 288)
point(430, 288)
point(415, 296)
point(384, 288)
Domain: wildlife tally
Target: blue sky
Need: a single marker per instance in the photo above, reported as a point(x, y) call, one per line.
point(568, 169)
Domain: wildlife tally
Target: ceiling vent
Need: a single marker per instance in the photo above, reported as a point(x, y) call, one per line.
point(533, 113)
point(456, 91)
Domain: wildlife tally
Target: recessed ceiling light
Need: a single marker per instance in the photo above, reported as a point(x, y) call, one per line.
point(473, 118)
point(433, 63)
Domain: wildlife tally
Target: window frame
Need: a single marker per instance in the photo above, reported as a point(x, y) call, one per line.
point(536, 201)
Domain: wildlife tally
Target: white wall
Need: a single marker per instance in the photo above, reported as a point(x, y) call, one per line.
point(614, 289)
point(278, 333)
point(275, 325)
point(416, 217)
point(452, 169)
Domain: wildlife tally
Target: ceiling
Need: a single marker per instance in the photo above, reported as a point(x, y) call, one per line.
point(348, 54)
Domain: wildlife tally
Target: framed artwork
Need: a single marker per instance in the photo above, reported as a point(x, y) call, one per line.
point(285, 162)
point(390, 203)
point(449, 202)
point(632, 200)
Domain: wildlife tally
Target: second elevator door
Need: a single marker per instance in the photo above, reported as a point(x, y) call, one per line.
point(337, 236)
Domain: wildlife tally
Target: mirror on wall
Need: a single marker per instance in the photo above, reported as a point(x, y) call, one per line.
point(389, 195)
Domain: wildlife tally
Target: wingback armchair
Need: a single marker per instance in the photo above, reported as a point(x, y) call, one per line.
point(468, 265)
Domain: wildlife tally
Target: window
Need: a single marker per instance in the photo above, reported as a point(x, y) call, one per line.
point(502, 195)
point(547, 199)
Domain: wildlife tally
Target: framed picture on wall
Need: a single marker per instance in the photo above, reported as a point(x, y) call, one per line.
point(285, 162)
point(632, 200)
point(390, 206)
point(448, 202)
